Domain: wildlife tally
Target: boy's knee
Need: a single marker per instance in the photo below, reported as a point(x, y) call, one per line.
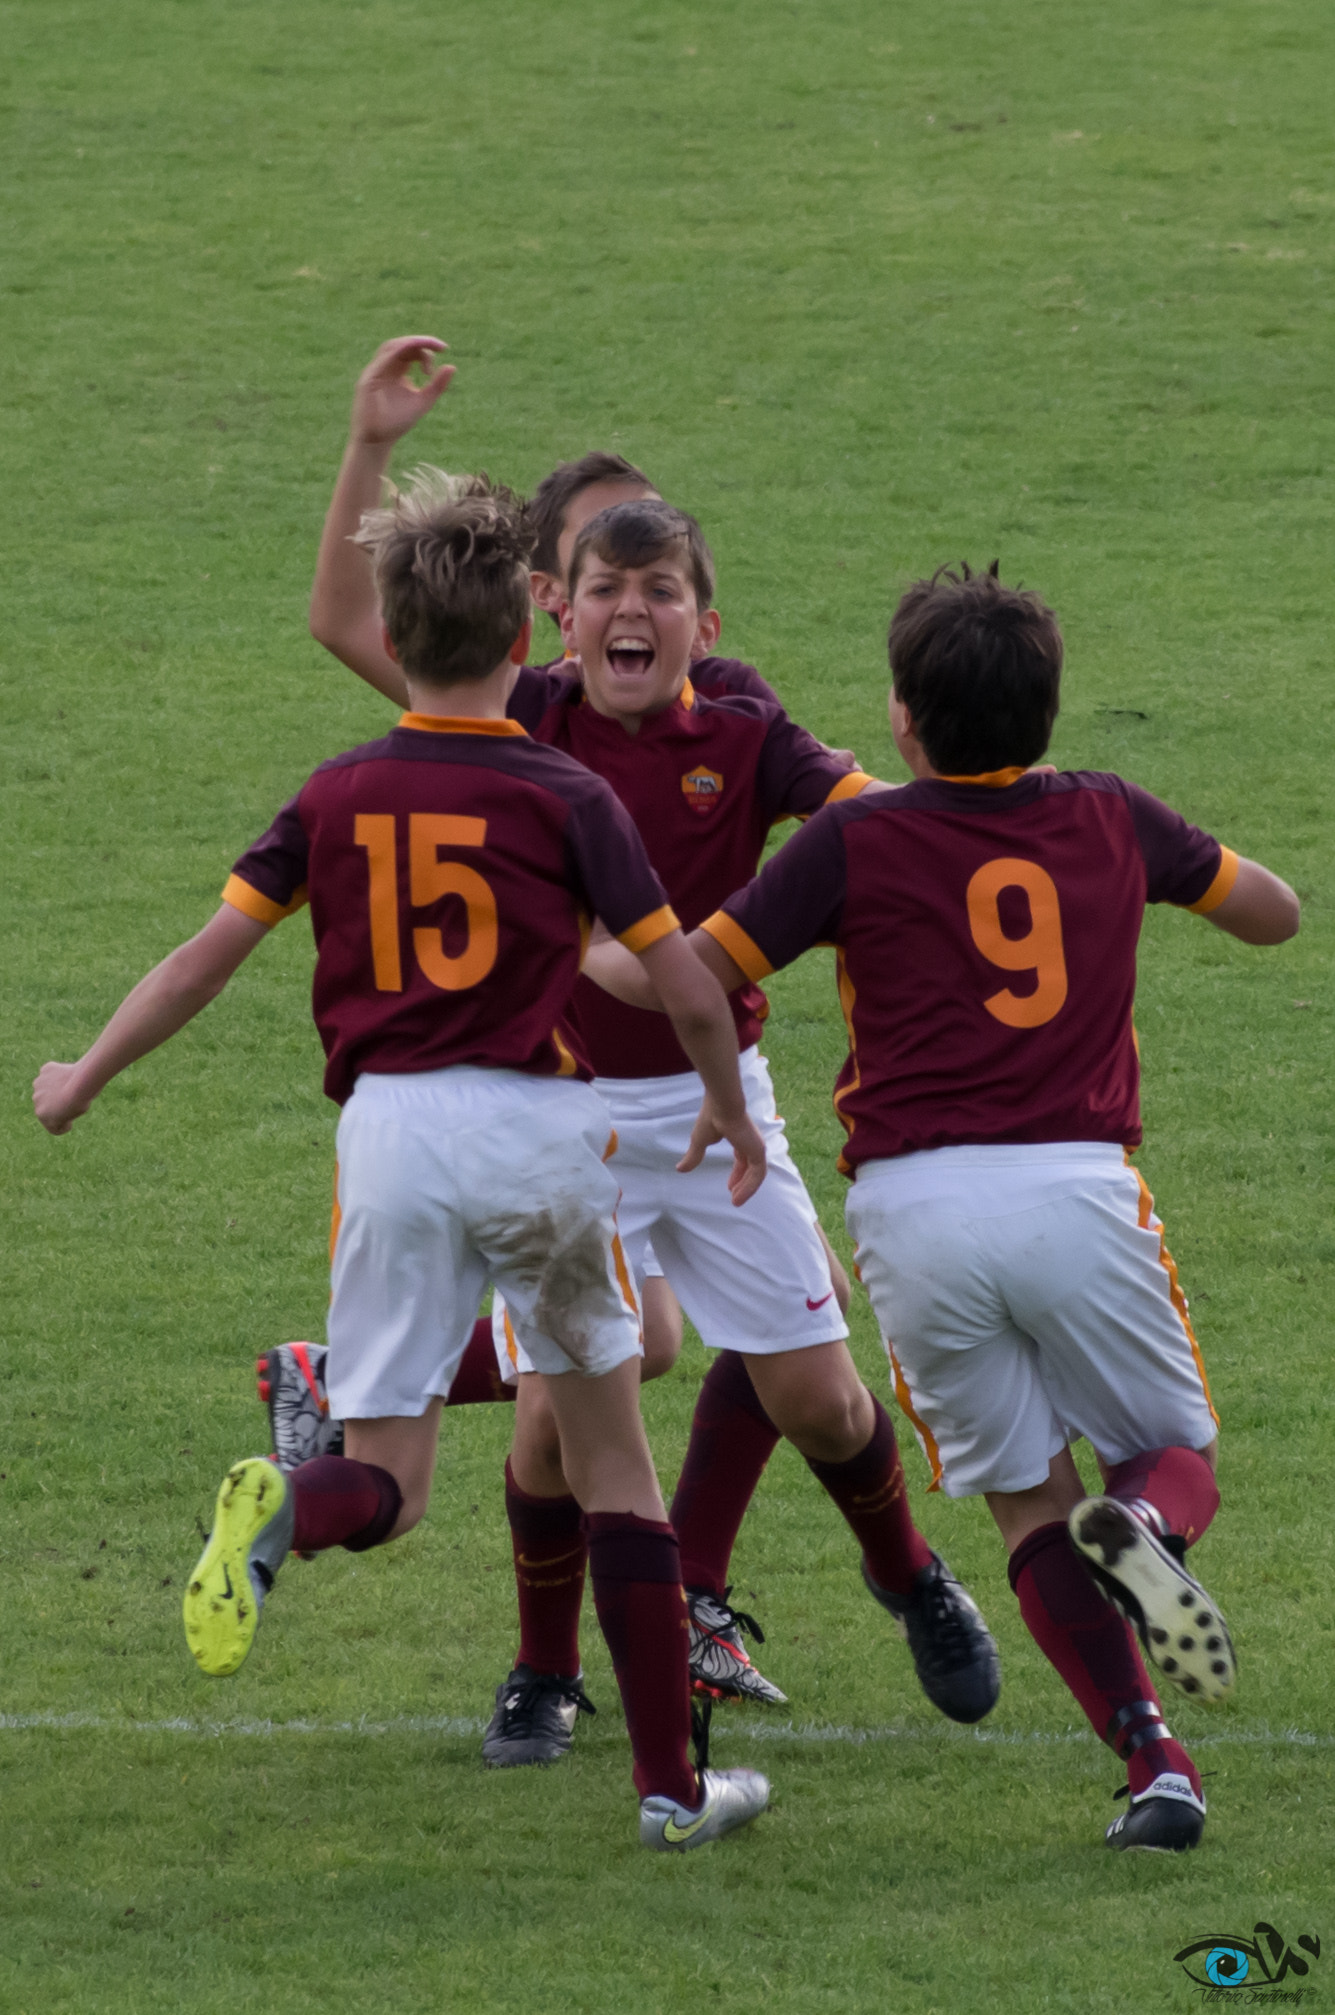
point(662, 1328)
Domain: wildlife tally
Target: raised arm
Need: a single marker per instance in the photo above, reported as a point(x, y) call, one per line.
point(693, 999)
point(163, 1002)
point(1259, 908)
point(388, 403)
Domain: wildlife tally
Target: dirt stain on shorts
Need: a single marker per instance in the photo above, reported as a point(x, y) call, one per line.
point(559, 1256)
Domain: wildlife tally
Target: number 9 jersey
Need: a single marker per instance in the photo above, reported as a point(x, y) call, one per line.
point(452, 870)
point(986, 930)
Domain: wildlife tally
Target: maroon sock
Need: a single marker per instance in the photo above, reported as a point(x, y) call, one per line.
point(871, 1492)
point(1177, 1482)
point(732, 1438)
point(550, 1551)
point(342, 1503)
point(478, 1380)
point(1080, 1633)
point(635, 1565)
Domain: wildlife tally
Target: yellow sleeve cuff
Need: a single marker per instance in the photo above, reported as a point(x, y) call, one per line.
point(262, 908)
point(658, 924)
point(850, 786)
point(1221, 886)
point(742, 950)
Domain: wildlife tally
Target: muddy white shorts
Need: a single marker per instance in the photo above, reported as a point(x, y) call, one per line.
point(448, 1179)
point(1026, 1298)
point(755, 1279)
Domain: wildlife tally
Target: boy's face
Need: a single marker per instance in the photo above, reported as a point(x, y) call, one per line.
point(635, 631)
point(548, 590)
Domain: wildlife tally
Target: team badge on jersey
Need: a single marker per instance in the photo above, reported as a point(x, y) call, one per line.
point(703, 789)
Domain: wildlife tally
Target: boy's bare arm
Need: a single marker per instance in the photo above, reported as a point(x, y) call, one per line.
point(1259, 908)
point(704, 1027)
point(163, 1002)
point(619, 973)
point(345, 615)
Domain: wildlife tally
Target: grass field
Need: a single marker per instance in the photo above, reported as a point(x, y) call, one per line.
point(869, 287)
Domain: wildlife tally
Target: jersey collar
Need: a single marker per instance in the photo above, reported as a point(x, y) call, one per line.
point(991, 780)
point(451, 724)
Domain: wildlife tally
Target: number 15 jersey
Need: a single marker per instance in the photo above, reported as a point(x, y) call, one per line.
point(452, 870)
point(986, 932)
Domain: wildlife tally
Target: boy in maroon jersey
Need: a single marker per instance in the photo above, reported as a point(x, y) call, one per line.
point(986, 921)
point(452, 869)
point(732, 1437)
point(705, 776)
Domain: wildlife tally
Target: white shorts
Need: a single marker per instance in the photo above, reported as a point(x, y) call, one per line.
point(755, 1279)
point(448, 1179)
point(1026, 1298)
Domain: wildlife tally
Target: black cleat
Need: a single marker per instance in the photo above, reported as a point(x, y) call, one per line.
point(535, 1718)
point(1168, 1817)
point(1177, 1622)
point(290, 1382)
point(953, 1649)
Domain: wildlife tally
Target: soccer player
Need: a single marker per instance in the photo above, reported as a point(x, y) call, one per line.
point(451, 869)
point(732, 1436)
point(705, 777)
point(986, 921)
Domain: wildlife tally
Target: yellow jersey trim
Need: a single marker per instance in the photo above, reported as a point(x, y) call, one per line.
point(459, 724)
point(992, 780)
point(1221, 886)
point(850, 786)
point(658, 924)
point(742, 950)
point(263, 909)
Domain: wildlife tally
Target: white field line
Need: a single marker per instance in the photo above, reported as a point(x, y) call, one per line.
point(754, 1731)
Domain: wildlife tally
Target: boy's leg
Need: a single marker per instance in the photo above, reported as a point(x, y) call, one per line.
point(541, 1697)
point(636, 1570)
point(332, 1500)
point(818, 1400)
point(1092, 1648)
point(1134, 1542)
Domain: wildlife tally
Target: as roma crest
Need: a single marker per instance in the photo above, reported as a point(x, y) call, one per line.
point(703, 789)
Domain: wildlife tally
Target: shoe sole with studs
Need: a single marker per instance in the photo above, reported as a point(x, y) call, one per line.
point(1179, 1625)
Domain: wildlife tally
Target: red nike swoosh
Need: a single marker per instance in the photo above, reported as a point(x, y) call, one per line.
point(813, 1305)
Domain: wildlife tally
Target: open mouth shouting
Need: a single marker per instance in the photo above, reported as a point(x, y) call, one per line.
point(630, 656)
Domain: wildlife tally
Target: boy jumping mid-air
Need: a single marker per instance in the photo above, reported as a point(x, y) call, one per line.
point(452, 869)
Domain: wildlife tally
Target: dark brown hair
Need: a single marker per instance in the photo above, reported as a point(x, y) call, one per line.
point(640, 532)
point(978, 666)
point(557, 492)
point(451, 557)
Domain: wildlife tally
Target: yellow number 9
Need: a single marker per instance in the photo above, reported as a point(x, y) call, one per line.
point(1039, 951)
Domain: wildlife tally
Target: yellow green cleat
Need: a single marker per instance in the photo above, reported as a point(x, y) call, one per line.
point(252, 1531)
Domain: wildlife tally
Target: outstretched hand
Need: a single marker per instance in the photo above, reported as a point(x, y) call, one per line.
point(748, 1151)
point(388, 401)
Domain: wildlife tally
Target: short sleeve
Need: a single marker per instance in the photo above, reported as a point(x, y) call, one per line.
point(797, 774)
point(1183, 865)
point(613, 871)
point(268, 883)
point(796, 901)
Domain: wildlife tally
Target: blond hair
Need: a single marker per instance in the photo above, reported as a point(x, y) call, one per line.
point(451, 559)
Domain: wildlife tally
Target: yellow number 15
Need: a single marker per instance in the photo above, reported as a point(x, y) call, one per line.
point(1039, 951)
point(429, 878)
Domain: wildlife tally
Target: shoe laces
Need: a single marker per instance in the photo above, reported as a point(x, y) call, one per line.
point(950, 1624)
point(741, 1619)
point(522, 1698)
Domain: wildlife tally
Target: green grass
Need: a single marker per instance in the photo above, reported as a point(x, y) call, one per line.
point(869, 287)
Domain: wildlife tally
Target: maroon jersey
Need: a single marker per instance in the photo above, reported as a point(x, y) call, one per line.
point(987, 936)
point(704, 780)
point(452, 870)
